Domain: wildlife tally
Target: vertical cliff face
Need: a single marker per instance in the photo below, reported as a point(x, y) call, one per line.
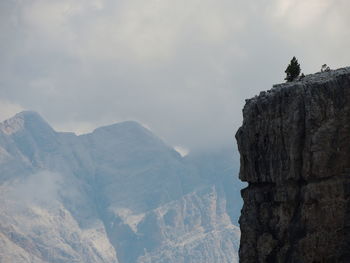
point(295, 155)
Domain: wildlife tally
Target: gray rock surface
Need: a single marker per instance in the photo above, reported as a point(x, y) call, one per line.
point(295, 155)
point(118, 194)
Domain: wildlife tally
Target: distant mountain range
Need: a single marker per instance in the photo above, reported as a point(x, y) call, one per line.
point(118, 194)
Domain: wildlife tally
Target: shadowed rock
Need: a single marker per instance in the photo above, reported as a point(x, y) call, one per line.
point(295, 154)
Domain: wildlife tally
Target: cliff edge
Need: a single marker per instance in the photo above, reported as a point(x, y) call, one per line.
point(295, 155)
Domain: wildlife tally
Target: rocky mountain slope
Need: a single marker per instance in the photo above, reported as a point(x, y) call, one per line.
point(295, 155)
point(118, 194)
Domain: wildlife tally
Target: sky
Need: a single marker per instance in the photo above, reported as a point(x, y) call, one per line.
point(182, 68)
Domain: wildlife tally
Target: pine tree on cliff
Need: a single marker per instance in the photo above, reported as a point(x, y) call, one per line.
point(293, 70)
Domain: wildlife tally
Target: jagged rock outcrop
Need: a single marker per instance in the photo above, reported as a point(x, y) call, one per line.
point(116, 195)
point(295, 155)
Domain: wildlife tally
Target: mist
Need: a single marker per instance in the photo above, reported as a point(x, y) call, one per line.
point(41, 188)
point(181, 68)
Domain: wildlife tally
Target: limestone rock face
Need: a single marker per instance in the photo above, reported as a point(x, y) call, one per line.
point(116, 195)
point(295, 155)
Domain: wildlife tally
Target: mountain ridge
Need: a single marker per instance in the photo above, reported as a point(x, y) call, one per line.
point(119, 194)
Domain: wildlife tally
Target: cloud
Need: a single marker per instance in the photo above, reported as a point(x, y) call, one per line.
point(317, 29)
point(8, 109)
point(181, 67)
point(181, 150)
point(130, 30)
point(40, 188)
point(301, 14)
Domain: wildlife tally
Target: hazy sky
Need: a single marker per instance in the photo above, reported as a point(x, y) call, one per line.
point(181, 67)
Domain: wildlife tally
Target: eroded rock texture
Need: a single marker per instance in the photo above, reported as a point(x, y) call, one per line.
point(295, 155)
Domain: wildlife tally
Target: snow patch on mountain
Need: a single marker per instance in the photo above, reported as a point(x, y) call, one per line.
point(117, 195)
point(12, 126)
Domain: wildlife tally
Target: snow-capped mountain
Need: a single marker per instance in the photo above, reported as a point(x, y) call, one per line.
point(118, 194)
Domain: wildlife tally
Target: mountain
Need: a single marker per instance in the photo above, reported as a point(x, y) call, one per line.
point(118, 194)
point(295, 155)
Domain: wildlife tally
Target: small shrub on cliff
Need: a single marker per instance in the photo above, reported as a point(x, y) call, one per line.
point(293, 70)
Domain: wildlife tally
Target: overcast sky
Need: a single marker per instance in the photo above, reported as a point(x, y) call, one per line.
point(180, 67)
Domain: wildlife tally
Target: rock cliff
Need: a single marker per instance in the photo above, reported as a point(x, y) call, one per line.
point(295, 155)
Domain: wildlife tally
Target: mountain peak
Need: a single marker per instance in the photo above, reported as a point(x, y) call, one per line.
point(24, 120)
point(129, 128)
point(122, 125)
point(29, 115)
